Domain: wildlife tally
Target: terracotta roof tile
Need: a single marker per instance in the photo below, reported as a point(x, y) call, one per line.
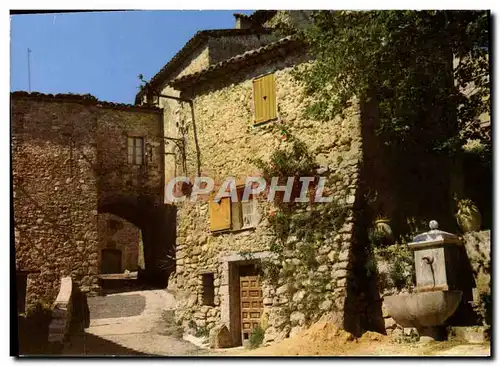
point(290, 41)
point(79, 98)
point(194, 42)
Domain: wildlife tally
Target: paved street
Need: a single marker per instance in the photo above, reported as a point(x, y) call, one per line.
point(130, 324)
point(116, 306)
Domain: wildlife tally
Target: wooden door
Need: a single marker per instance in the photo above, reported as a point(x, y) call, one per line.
point(111, 261)
point(250, 304)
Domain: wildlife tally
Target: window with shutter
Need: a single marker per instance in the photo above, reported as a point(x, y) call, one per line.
point(248, 210)
point(264, 97)
point(220, 214)
point(237, 222)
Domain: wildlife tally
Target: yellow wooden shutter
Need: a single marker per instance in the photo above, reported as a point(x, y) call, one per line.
point(220, 214)
point(264, 96)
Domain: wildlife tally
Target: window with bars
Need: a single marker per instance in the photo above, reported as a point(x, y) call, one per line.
point(135, 150)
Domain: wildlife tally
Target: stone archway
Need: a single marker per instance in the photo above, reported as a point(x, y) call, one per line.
point(157, 225)
point(120, 245)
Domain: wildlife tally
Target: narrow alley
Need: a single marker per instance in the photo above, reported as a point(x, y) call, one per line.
point(135, 323)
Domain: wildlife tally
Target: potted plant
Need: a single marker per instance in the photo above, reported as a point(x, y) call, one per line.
point(383, 228)
point(468, 216)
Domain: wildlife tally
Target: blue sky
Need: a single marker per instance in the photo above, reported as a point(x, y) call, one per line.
point(102, 53)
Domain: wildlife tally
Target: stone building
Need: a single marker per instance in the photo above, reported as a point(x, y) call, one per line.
point(224, 108)
point(85, 173)
point(223, 120)
point(89, 187)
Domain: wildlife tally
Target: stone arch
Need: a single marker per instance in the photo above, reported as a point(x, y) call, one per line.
point(157, 224)
point(120, 244)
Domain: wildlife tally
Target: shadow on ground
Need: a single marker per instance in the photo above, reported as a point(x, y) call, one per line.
point(92, 345)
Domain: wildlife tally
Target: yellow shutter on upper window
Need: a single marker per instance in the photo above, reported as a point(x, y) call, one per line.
point(264, 97)
point(220, 214)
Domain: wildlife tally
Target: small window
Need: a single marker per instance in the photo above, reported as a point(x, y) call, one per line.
point(228, 215)
point(136, 150)
point(208, 288)
point(243, 214)
point(264, 99)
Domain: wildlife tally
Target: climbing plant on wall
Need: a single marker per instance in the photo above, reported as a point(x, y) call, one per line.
point(300, 228)
point(424, 78)
point(305, 221)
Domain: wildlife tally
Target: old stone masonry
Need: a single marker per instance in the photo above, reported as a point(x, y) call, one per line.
point(90, 202)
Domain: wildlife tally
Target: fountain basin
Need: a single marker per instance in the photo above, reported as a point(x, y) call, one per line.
point(423, 309)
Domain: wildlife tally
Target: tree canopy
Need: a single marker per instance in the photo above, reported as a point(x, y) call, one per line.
point(428, 71)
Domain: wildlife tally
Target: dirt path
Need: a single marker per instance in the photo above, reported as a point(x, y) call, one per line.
point(141, 323)
point(130, 323)
point(324, 339)
point(370, 348)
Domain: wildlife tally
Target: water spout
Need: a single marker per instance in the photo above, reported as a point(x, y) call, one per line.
point(430, 261)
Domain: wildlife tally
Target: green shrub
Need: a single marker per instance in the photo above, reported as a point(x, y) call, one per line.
point(256, 337)
point(202, 332)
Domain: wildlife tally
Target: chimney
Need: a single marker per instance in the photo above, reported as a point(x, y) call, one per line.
point(242, 21)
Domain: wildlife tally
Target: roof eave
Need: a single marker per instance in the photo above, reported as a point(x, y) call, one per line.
point(199, 37)
point(235, 63)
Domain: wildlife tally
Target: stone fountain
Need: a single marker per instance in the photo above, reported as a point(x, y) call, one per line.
point(437, 293)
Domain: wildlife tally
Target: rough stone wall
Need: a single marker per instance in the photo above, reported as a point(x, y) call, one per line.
point(222, 48)
point(198, 61)
point(478, 248)
point(118, 178)
point(69, 160)
point(55, 194)
point(215, 50)
point(295, 18)
point(227, 140)
point(117, 233)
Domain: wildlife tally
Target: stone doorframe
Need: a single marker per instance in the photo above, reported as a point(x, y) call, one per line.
point(228, 308)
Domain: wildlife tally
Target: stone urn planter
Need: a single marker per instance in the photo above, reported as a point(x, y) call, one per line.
point(383, 229)
point(468, 216)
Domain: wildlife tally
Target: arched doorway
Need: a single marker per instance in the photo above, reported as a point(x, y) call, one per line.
point(120, 245)
point(155, 226)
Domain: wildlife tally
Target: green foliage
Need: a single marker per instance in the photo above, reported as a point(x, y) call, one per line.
point(299, 228)
point(271, 271)
point(39, 309)
point(307, 223)
point(296, 161)
point(403, 61)
point(465, 204)
point(201, 332)
point(483, 304)
point(247, 255)
point(401, 271)
point(198, 331)
point(377, 239)
point(256, 337)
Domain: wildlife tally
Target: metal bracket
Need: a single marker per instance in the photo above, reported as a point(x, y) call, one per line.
point(179, 143)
